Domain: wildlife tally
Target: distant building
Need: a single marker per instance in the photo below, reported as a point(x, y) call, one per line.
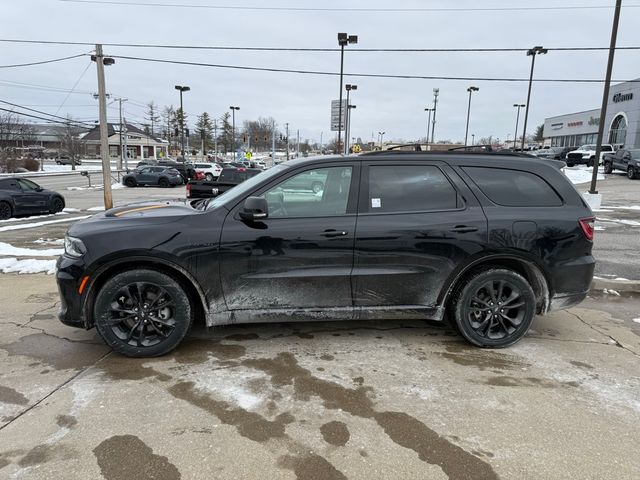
point(139, 144)
point(621, 127)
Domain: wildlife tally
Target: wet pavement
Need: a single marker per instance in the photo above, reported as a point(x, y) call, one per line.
point(356, 400)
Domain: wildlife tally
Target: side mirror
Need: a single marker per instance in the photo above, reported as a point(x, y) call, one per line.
point(39, 189)
point(254, 208)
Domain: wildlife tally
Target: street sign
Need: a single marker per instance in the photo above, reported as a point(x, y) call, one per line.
point(335, 114)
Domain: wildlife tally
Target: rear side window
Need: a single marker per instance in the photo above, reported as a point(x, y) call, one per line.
point(514, 188)
point(409, 188)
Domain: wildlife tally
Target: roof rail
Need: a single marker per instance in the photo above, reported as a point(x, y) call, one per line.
point(451, 151)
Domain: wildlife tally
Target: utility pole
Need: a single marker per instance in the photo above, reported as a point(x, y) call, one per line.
point(273, 143)
point(182, 89)
point(515, 136)
point(122, 153)
point(343, 40)
point(287, 138)
point(101, 61)
point(215, 138)
point(436, 91)
point(233, 139)
point(428, 122)
point(298, 143)
point(605, 96)
point(321, 141)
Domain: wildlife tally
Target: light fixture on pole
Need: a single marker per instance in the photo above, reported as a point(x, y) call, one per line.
point(428, 122)
point(532, 52)
point(233, 129)
point(380, 135)
point(515, 136)
point(348, 87)
point(182, 89)
point(343, 40)
point(466, 131)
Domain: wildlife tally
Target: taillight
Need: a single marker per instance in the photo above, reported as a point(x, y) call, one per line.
point(587, 225)
point(188, 190)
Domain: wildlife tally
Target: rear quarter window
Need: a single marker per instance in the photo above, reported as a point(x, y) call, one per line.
point(514, 188)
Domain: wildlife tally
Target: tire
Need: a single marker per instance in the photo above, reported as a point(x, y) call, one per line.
point(475, 298)
point(591, 162)
point(208, 177)
point(130, 182)
point(6, 211)
point(148, 331)
point(569, 164)
point(163, 183)
point(57, 205)
point(317, 187)
point(608, 167)
point(631, 173)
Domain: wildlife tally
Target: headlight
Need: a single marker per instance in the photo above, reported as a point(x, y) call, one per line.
point(74, 246)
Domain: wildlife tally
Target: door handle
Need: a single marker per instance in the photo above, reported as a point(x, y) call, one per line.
point(464, 229)
point(334, 233)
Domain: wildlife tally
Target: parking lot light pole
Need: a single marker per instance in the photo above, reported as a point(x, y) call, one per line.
point(233, 129)
point(182, 89)
point(515, 135)
point(428, 122)
point(348, 130)
point(532, 52)
point(381, 134)
point(348, 87)
point(343, 40)
point(436, 91)
point(466, 131)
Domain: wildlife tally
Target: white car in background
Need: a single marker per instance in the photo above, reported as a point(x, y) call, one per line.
point(211, 170)
point(586, 155)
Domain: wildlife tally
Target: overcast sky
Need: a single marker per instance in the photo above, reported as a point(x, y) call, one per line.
point(395, 106)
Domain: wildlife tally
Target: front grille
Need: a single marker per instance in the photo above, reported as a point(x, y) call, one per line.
point(574, 156)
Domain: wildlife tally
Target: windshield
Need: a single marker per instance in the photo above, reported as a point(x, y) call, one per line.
point(237, 192)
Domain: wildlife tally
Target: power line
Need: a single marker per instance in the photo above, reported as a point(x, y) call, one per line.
point(48, 120)
point(42, 62)
point(10, 83)
point(344, 9)
point(37, 111)
point(367, 75)
point(302, 49)
point(74, 86)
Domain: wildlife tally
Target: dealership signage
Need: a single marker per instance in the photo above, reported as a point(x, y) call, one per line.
point(622, 97)
point(579, 123)
point(594, 121)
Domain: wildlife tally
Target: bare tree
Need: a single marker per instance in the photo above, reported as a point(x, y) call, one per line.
point(152, 116)
point(70, 143)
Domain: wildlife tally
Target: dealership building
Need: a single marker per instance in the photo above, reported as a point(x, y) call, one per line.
point(621, 127)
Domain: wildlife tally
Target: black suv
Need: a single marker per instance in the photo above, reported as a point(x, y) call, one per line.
point(487, 240)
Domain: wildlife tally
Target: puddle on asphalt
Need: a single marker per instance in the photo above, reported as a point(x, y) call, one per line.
point(9, 395)
point(335, 433)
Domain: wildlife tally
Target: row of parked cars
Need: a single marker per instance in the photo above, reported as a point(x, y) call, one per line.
point(626, 160)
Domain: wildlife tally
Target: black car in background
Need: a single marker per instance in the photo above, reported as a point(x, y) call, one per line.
point(625, 160)
point(153, 176)
point(486, 240)
point(229, 178)
point(187, 169)
point(20, 196)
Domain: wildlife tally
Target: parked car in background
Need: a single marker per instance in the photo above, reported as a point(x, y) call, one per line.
point(489, 239)
point(211, 171)
point(586, 154)
point(186, 169)
point(625, 160)
point(554, 153)
point(229, 178)
point(21, 196)
point(66, 160)
point(151, 175)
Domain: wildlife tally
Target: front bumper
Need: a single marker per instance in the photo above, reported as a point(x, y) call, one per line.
point(69, 275)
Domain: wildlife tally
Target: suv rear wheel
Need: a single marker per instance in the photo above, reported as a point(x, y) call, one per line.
point(493, 307)
point(608, 167)
point(142, 313)
point(631, 173)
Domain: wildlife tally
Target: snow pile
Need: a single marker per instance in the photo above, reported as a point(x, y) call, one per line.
point(7, 249)
point(49, 241)
point(18, 219)
point(67, 168)
point(99, 186)
point(22, 226)
point(580, 174)
point(95, 209)
point(29, 265)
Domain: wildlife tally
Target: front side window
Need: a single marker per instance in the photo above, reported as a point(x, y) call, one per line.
point(27, 185)
point(409, 188)
point(313, 193)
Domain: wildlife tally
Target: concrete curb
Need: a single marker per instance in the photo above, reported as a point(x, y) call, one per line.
point(626, 286)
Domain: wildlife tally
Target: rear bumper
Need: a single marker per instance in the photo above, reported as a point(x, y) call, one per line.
point(564, 301)
point(572, 281)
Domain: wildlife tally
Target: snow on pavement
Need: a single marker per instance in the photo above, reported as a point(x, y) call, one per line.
point(7, 249)
point(580, 174)
point(40, 224)
point(29, 265)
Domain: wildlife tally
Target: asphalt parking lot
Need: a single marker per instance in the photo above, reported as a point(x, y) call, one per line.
point(368, 400)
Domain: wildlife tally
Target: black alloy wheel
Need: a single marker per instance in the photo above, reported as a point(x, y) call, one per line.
point(631, 173)
point(57, 205)
point(142, 313)
point(608, 167)
point(5, 211)
point(130, 182)
point(163, 183)
point(494, 307)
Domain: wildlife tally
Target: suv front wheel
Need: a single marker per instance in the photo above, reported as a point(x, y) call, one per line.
point(631, 173)
point(493, 307)
point(142, 313)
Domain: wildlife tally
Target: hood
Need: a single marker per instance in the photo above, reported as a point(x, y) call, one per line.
point(135, 215)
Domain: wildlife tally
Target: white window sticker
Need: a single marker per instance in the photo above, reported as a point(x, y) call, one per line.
point(376, 203)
